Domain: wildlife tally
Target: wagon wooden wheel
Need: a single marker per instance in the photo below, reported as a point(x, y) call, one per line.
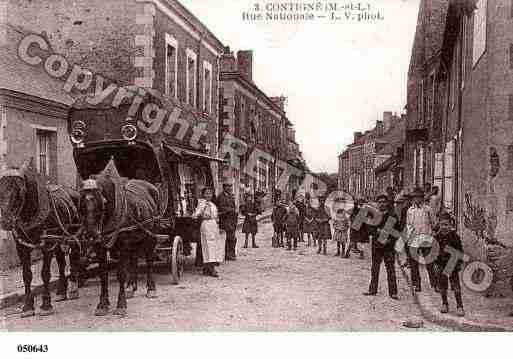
point(176, 260)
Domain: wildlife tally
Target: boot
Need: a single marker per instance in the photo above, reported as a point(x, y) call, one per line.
point(444, 309)
point(459, 304)
point(245, 243)
point(460, 312)
point(338, 250)
point(324, 247)
point(320, 248)
point(445, 303)
point(254, 244)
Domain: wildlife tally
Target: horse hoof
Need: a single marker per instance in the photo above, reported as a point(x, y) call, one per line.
point(28, 313)
point(46, 312)
point(120, 312)
point(73, 295)
point(151, 294)
point(100, 312)
point(60, 297)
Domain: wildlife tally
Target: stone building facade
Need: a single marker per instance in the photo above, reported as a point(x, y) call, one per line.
point(255, 119)
point(33, 126)
point(155, 44)
point(359, 161)
point(461, 111)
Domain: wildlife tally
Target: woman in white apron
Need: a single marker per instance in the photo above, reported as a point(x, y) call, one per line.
point(210, 238)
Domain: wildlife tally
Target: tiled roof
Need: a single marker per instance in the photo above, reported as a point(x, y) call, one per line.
point(19, 76)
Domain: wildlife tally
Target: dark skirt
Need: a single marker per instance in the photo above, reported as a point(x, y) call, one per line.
point(309, 227)
point(292, 230)
point(323, 231)
point(250, 225)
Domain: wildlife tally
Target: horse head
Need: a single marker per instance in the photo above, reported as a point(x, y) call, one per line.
point(91, 206)
point(13, 191)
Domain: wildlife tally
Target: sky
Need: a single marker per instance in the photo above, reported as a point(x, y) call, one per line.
point(338, 76)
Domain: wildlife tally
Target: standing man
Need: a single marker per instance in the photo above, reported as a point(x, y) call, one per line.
point(384, 251)
point(322, 220)
point(419, 224)
point(300, 205)
point(228, 219)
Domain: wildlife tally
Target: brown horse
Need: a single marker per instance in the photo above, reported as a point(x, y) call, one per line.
point(28, 208)
point(118, 216)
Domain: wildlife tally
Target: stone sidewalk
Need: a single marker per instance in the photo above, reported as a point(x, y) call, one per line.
point(482, 314)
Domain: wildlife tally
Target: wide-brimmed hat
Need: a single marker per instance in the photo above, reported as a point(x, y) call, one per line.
point(381, 196)
point(401, 197)
point(417, 192)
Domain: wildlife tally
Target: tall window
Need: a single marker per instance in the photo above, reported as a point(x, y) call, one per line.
point(439, 171)
point(191, 78)
point(430, 98)
point(263, 171)
point(420, 102)
point(44, 139)
point(479, 30)
point(449, 175)
point(453, 88)
point(171, 77)
point(207, 87)
point(510, 157)
point(415, 172)
point(421, 166)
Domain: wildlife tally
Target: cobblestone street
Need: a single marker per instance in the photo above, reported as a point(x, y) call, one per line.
point(265, 289)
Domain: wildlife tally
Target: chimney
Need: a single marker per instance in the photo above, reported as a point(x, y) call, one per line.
point(357, 136)
point(228, 63)
point(380, 128)
point(245, 63)
point(387, 121)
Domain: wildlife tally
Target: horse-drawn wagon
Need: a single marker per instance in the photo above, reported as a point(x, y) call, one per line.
point(123, 137)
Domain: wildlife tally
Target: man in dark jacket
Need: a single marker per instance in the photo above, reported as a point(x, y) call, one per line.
point(360, 235)
point(278, 219)
point(383, 249)
point(228, 219)
point(449, 241)
point(300, 205)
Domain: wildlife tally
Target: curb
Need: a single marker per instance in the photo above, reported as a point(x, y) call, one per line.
point(456, 323)
point(10, 299)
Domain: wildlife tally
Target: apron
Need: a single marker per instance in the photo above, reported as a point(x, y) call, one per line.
point(212, 243)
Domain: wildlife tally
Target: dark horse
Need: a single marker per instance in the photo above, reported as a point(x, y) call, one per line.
point(118, 216)
point(28, 208)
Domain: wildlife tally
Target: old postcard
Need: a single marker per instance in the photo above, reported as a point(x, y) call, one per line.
point(246, 165)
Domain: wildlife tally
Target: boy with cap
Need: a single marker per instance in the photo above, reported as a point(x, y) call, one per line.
point(292, 224)
point(322, 219)
point(278, 219)
point(447, 237)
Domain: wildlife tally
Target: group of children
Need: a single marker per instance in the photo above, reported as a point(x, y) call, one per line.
point(293, 220)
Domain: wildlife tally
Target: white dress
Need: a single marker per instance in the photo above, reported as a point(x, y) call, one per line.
point(211, 244)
